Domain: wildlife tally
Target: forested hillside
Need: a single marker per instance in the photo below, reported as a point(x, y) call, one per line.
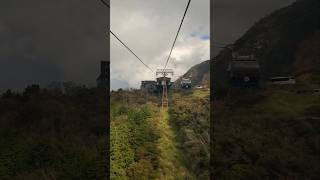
point(50, 135)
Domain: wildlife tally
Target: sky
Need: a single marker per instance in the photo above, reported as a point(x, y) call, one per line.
point(232, 18)
point(59, 40)
point(149, 27)
point(52, 40)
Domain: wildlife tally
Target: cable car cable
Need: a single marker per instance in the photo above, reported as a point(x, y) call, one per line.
point(174, 42)
point(106, 4)
point(130, 50)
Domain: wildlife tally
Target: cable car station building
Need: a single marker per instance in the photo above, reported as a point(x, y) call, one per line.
point(157, 86)
point(185, 83)
point(244, 70)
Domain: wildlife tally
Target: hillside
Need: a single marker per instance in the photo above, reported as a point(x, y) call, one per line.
point(267, 134)
point(280, 41)
point(271, 132)
point(200, 74)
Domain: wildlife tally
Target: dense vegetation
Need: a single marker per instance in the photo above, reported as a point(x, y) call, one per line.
point(53, 135)
point(134, 153)
point(190, 116)
point(271, 132)
point(268, 133)
point(147, 143)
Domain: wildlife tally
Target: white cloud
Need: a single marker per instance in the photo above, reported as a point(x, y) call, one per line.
point(148, 27)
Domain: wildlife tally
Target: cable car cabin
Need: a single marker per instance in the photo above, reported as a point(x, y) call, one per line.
point(244, 71)
point(185, 83)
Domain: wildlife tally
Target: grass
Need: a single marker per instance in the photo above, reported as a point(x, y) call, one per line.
point(189, 116)
point(134, 136)
point(201, 93)
point(143, 143)
point(172, 164)
point(150, 143)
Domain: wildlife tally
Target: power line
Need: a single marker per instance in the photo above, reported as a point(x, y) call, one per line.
point(164, 86)
point(130, 50)
point(174, 42)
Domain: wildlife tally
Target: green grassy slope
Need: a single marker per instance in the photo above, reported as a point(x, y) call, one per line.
point(172, 163)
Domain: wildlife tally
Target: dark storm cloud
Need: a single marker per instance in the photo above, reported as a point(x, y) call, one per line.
point(232, 18)
point(44, 41)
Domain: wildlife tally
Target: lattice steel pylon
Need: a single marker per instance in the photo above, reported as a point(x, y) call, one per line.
point(165, 81)
point(164, 95)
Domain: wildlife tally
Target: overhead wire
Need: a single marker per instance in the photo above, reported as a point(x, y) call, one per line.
point(106, 4)
point(175, 39)
point(130, 50)
point(218, 45)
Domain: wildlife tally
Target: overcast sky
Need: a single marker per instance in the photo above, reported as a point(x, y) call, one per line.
point(58, 40)
point(148, 27)
point(232, 18)
point(51, 40)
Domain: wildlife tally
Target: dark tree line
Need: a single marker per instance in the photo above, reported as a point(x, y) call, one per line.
point(50, 134)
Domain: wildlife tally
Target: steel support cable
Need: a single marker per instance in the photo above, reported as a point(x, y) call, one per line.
point(130, 51)
point(174, 42)
point(106, 4)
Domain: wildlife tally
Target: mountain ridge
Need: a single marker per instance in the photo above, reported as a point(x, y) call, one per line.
point(200, 74)
point(276, 41)
point(286, 42)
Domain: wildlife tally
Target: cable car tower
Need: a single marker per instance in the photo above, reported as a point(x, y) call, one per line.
point(164, 82)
